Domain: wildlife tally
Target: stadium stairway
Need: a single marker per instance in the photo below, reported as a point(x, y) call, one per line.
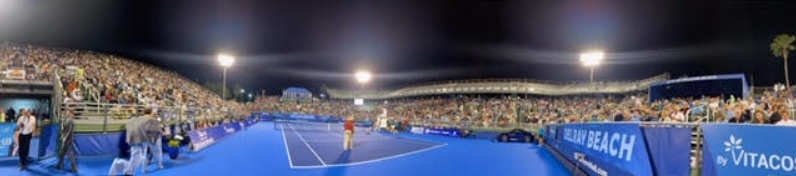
point(696, 150)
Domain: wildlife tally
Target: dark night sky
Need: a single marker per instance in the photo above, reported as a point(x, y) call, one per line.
point(310, 43)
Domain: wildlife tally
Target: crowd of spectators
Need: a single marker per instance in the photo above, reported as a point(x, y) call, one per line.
point(507, 111)
point(125, 84)
point(102, 78)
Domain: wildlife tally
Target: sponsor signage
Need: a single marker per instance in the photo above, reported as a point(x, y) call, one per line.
point(454, 132)
point(6, 138)
point(605, 149)
point(302, 117)
point(732, 149)
point(205, 137)
point(15, 74)
point(417, 130)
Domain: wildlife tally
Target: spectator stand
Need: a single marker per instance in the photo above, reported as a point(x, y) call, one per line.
point(296, 94)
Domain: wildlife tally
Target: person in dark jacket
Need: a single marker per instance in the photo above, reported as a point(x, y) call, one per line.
point(122, 162)
point(774, 118)
point(67, 139)
point(11, 114)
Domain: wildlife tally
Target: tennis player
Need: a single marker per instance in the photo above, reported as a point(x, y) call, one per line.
point(349, 134)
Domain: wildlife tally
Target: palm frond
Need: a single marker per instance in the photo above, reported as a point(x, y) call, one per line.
point(782, 44)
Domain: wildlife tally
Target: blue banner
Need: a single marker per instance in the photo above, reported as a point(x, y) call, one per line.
point(231, 128)
point(48, 140)
point(6, 138)
point(605, 149)
point(551, 133)
point(205, 137)
point(732, 149)
point(453, 132)
point(302, 117)
point(669, 148)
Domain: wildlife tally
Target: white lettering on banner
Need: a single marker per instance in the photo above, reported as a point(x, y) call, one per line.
point(592, 166)
point(603, 142)
point(229, 130)
point(755, 160)
point(614, 138)
point(6, 141)
point(418, 130)
point(204, 143)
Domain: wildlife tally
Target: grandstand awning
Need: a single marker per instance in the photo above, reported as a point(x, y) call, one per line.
point(296, 93)
point(297, 90)
point(713, 85)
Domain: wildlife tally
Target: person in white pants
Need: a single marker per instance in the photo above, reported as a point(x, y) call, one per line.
point(157, 152)
point(139, 135)
point(119, 165)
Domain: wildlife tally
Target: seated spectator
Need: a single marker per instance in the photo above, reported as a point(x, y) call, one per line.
point(786, 121)
point(760, 118)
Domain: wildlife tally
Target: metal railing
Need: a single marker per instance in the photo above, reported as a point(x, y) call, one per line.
point(107, 117)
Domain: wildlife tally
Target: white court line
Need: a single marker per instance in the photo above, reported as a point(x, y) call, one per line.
point(308, 145)
point(363, 140)
point(419, 141)
point(370, 161)
point(378, 135)
point(289, 158)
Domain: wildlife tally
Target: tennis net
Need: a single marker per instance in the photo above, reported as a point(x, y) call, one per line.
point(299, 125)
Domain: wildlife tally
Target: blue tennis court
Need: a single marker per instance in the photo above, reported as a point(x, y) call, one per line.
point(263, 149)
point(318, 149)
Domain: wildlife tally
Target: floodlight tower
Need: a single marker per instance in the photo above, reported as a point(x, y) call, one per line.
point(225, 61)
point(591, 60)
point(363, 77)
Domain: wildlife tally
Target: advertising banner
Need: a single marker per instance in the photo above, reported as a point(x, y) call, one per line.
point(204, 137)
point(231, 128)
point(302, 117)
point(15, 74)
point(417, 130)
point(6, 138)
point(605, 149)
point(669, 148)
point(453, 132)
point(732, 149)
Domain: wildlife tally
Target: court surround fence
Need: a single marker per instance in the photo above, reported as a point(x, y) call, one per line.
point(710, 148)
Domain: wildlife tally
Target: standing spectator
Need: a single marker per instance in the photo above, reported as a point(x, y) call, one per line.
point(10, 114)
point(67, 139)
point(138, 130)
point(27, 125)
point(155, 143)
point(2, 117)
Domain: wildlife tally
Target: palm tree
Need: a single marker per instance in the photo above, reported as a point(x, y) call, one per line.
point(781, 47)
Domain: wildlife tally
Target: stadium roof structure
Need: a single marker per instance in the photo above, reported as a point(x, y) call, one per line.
point(711, 85)
point(297, 90)
point(503, 86)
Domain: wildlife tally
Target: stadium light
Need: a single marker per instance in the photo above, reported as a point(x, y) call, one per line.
point(592, 59)
point(225, 61)
point(242, 91)
point(363, 77)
